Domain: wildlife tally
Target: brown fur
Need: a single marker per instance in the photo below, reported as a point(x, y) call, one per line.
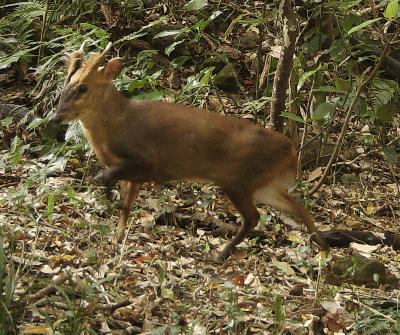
point(141, 141)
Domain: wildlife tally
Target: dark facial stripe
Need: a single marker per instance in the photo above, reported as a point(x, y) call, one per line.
point(68, 93)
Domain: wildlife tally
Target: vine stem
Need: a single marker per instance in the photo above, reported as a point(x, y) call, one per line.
point(42, 32)
point(349, 113)
point(259, 52)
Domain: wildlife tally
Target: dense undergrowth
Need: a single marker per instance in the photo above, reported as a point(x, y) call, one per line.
point(221, 55)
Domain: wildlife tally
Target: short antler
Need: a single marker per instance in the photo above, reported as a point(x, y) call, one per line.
point(82, 48)
point(107, 49)
point(74, 61)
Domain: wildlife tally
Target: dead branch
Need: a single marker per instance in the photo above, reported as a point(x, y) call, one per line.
point(49, 289)
point(113, 307)
point(285, 65)
point(343, 238)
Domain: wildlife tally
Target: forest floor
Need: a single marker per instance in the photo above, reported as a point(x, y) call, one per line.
point(165, 275)
point(70, 276)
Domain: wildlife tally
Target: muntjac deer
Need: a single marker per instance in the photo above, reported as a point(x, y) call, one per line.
point(151, 141)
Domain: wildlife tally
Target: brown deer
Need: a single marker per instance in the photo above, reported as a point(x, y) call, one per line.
point(152, 141)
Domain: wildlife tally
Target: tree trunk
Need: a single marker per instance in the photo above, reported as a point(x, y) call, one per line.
point(285, 65)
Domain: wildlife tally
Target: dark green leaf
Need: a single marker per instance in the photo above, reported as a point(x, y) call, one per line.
point(338, 51)
point(50, 205)
point(391, 154)
point(179, 61)
point(306, 75)
point(323, 112)
point(362, 106)
point(343, 85)
point(293, 117)
point(329, 89)
point(36, 122)
point(156, 95)
point(363, 25)
point(386, 112)
point(348, 4)
point(137, 84)
point(351, 20)
point(7, 121)
point(205, 79)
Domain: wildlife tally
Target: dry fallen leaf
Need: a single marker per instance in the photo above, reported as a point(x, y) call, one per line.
point(39, 330)
point(296, 236)
point(297, 290)
point(332, 323)
point(336, 318)
point(332, 307)
point(249, 279)
point(49, 270)
point(146, 218)
point(167, 294)
point(199, 330)
point(275, 51)
point(314, 174)
point(144, 258)
point(239, 280)
point(61, 259)
point(364, 249)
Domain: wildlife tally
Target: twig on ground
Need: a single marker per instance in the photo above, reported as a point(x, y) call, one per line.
point(111, 308)
point(48, 290)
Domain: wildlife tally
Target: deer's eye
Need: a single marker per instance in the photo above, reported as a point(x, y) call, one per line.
point(82, 88)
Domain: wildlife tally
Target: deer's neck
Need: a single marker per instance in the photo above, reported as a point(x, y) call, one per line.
point(102, 122)
point(106, 113)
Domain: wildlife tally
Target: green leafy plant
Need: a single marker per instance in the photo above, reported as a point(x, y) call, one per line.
point(7, 288)
point(187, 35)
point(371, 323)
point(279, 312)
point(231, 303)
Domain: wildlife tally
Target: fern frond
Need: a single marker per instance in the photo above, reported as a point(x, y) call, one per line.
point(382, 92)
point(25, 14)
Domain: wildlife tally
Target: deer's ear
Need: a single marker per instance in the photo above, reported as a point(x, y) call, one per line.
point(113, 68)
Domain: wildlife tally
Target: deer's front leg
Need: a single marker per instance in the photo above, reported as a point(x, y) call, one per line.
point(134, 170)
point(124, 171)
point(129, 193)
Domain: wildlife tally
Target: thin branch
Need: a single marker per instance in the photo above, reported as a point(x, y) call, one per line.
point(46, 291)
point(259, 51)
point(369, 9)
point(42, 32)
point(373, 310)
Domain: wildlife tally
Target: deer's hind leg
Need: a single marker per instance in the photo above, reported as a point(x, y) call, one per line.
point(244, 203)
point(279, 198)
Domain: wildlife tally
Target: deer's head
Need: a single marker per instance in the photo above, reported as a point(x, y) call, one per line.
point(88, 85)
